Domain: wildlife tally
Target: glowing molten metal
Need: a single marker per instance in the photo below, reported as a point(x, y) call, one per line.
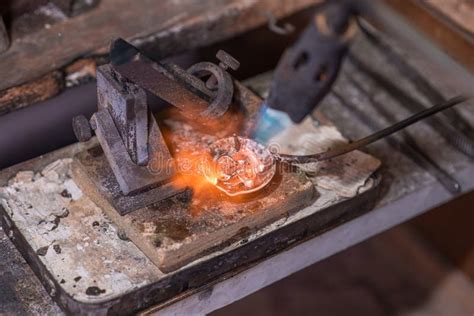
point(240, 166)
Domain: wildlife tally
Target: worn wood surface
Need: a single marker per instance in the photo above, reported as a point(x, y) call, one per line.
point(450, 229)
point(31, 92)
point(160, 28)
point(460, 12)
point(448, 35)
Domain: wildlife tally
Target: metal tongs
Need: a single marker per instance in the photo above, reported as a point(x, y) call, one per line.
point(344, 149)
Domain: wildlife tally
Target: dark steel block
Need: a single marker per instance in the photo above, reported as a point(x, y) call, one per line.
point(127, 105)
point(130, 176)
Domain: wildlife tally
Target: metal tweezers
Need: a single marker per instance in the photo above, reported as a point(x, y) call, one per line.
point(450, 124)
point(408, 145)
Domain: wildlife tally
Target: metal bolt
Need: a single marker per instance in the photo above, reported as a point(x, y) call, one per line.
point(82, 129)
point(122, 235)
point(227, 61)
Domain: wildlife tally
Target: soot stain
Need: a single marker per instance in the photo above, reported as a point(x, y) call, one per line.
point(94, 291)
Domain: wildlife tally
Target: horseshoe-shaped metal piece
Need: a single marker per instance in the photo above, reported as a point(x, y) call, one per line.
point(225, 87)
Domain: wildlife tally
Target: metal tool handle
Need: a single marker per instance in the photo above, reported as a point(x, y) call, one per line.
point(421, 83)
point(461, 142)
point(409, 146)
point(338, 151)
point(308, 69)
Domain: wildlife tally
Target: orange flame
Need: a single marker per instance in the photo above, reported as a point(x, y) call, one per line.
point(195, 170)
point(189, 141)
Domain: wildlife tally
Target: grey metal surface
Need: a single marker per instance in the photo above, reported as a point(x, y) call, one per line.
point(406, 144)
point(127, 104)
point(178, 87)
point(82, 128)
point(132, 177)
point(159, 79)
point(446, 128)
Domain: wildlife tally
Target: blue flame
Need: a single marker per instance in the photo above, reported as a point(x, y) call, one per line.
point(270, 123)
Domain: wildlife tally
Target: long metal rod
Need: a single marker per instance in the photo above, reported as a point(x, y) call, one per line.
point(338, 151)
point(440, 124)
point(408, 145)
point(419, 81)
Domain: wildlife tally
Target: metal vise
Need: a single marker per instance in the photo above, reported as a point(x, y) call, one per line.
point(129, 133)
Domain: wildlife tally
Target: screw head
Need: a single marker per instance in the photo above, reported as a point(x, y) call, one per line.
point(228, 60)
point(81, 127)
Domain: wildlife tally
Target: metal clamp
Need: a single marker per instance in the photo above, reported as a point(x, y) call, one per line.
point(128, 134)
point(219, 81)
point(180, 88)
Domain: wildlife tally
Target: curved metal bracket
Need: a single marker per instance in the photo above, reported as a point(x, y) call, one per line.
point(225, 87)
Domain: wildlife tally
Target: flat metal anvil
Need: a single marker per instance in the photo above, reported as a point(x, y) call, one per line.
point(131, 141)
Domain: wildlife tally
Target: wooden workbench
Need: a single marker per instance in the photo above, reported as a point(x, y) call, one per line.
point(52, 57)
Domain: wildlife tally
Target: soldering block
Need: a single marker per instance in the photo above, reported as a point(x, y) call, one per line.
point(178, 230)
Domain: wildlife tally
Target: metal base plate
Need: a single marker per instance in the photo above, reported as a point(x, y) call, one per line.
point(115, 276)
